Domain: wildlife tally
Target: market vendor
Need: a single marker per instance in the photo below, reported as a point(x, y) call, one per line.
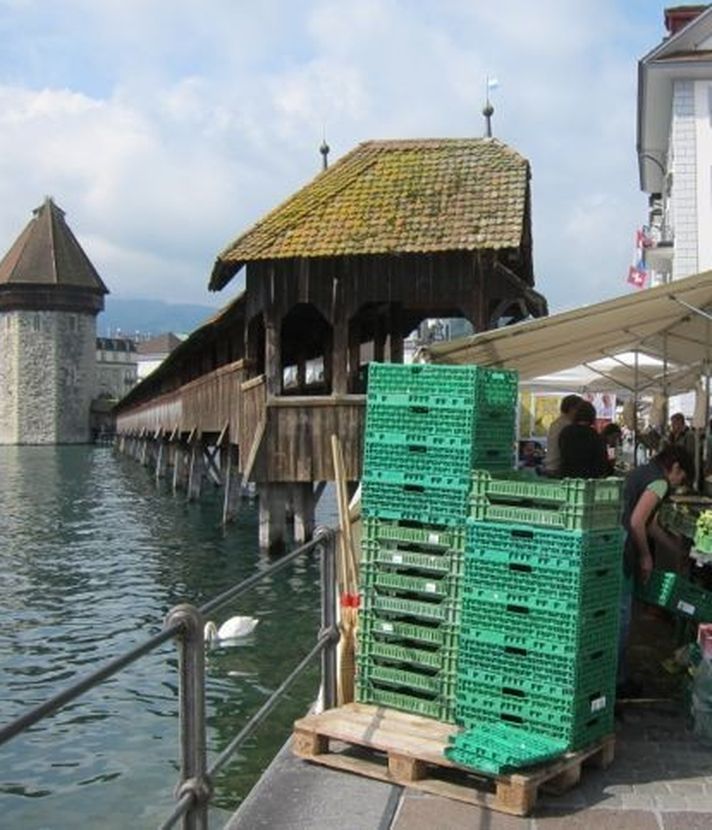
point(644, 490)
point(552, 462)
point(680, 435)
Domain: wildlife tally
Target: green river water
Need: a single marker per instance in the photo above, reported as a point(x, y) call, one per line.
point(92, 556)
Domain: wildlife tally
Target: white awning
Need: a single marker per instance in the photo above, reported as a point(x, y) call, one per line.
point(669, 322)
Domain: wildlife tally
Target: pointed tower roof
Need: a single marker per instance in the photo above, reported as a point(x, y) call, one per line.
point(46, 267)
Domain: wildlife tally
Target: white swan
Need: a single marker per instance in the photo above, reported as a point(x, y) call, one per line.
point(232, 629)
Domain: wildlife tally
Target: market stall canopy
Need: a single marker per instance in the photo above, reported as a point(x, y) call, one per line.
point(621, 375)
point(670, 322)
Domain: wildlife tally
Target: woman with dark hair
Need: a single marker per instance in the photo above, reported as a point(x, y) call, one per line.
point(583, 453)
point(643, 492)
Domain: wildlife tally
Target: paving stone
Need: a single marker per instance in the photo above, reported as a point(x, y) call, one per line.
point(686, 821)
point(600, 820)
point(446, 814)
point(672, 802)
point(686, 787)
point(638, 801)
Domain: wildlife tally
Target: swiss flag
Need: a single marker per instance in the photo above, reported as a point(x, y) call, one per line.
point(637, 276)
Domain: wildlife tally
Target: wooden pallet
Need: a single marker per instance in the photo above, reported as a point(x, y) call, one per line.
point(407, 749)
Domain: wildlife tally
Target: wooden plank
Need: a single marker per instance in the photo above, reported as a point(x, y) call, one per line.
point(254, 449)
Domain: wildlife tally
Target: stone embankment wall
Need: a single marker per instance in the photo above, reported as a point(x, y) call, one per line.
point(47, 376)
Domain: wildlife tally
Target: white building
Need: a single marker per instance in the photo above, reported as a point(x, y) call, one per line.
point(675, 144)
point(151, 353)
point(116, 367)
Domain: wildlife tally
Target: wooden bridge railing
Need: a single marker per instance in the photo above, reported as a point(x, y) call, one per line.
point(288, 438)
point(205, 404)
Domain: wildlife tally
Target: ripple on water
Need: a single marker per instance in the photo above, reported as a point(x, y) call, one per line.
point(93, 557)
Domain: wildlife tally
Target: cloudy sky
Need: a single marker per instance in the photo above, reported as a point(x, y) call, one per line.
point(164, 129)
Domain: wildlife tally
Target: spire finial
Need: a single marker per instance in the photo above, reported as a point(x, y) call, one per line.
point(488, 109)
point(324, 150)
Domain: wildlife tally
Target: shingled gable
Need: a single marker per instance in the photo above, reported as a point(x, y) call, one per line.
point(394, 197)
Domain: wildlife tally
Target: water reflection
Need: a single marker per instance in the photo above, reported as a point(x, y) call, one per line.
point(94, 555)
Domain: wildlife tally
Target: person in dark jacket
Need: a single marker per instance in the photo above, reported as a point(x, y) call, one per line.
point(643, 492)
point(582, 450)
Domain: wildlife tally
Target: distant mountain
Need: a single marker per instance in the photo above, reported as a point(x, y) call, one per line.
point(150, 317)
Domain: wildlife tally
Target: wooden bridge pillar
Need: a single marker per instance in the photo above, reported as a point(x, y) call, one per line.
point(180, 471)
point(162, 458)
point(303, 505)
point(145, 450)
point(196, 472)
point(229, 461)
point(272, 517)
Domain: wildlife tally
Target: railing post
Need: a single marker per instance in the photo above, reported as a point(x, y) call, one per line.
point(194, 779)
point(327, 541)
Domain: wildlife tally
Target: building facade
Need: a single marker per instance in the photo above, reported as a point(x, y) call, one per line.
point(116, 367)
point(50, 294)
point(675, 145)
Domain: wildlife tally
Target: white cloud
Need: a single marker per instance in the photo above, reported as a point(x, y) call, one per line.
point(165, 128)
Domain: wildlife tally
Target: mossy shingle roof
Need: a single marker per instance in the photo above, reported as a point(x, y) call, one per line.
point(406, 196)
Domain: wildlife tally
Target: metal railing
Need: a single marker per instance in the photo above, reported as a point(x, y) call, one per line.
point(185, 622)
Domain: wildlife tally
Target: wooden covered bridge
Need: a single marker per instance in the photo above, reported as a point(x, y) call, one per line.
point(336, 276)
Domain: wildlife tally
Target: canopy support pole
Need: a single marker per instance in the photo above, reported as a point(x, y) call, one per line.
point(635, 409)
point(692, 308)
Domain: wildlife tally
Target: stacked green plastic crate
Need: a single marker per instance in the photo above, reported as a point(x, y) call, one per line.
point(426, 427)
point(539, 624)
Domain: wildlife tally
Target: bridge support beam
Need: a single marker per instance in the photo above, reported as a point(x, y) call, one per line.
point(180, 471)
point(229, 461)
point(303, 506)
point(162, 459)
point(272, 517)
point(196, 472)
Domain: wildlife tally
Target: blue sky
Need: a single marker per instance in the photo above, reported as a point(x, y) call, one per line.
point(164, 129)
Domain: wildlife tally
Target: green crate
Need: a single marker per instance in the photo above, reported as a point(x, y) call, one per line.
point(572, 504)
point(576, 734)
point(498, 747)
point(416, 503)
point(419, 482)
point(491, 388)
point(679, 595)
point(431, 586)
point(408, 679)
point(584, 517)
point(552, 547)
point(439, 564)
point(434, 634)
point(420, 538)
point(417, 610)
point(402, 654)
point(517, 488)
point(422, 377)
point(497, 433)
point(537, 595)
point(565, 627)
point(555, 717)
point(595, 632)
point(436, 708)
point(396, 414)
point(495, 678)
point(411, 441)
point(658, 590)
point(535, 665)
point(578, 588)
point(415, 459)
